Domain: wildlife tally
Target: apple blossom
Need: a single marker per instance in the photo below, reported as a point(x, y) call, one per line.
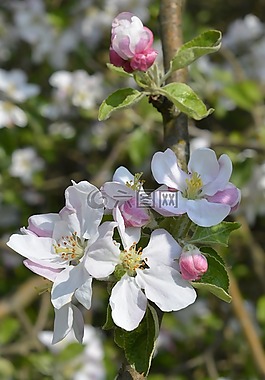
point(55, 246)
point(143, 274)
point(131, 43)
point(204, 193)
point(192, 263)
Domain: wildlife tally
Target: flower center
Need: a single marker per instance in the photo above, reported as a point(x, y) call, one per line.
point(131, 260)
point(194, 186)
point(136, 183)
point(70, 248)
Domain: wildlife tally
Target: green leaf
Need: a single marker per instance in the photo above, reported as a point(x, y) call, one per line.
point(206, 43)
point(119, 99)
point(139, 344)
point(140, 146)
point(215, 280)
point(245, 94)
point(211, 252)
point(8, 330)
point(214, 235)
point(118, 70)
point(186, 100)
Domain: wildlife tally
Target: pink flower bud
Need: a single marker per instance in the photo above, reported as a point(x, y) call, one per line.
point(133, 215)
point(131, 43)
point(192, 263)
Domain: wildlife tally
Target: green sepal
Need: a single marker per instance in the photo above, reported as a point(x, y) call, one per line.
point(218, 234)
point(139, 344)
point(119, 99)
point(216, 279)
point(186, 100)
point(109, 324)
point(177, 226)
point(206, 43)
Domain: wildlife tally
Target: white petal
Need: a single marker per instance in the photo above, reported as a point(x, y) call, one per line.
point(122, 175)
point(117, 192)
point(47, 272)
point(165, 287)
point(78, 324)
point(103, 255)
point(84, 293)
point(129, 235)
point(206, 214)
point(204, 162)
point(162, 249)
point(66, 318)
point(166, 170)
point(89, 215)
point(128, 303)
point(43, 224)
point(222, 179)
point(69, 280)
point(167, 202)
point(63, 322)
point(37, 249)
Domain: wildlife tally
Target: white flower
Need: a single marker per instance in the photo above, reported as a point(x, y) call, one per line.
point(11, 115)
point(55, 246)
point(148, 274)
point(14, 85)
point(25, 162)
point(204, 193)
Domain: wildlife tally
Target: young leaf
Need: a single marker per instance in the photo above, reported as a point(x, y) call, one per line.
point(215, 280)
point(214, 235)
point(206, 43)
point(139, 344)
point(118, 70)
point(119, 99)
point(186, 100)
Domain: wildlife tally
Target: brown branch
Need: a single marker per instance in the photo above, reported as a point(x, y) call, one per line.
point(247, 325)
point(23, 297)
point(176, 134)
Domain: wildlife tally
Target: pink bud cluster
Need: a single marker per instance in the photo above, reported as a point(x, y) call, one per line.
point(131, 44)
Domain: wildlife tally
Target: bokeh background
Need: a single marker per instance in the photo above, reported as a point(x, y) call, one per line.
point(53, 77)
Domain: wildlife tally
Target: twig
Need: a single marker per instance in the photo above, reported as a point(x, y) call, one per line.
point(247, 326)
point(23, 297)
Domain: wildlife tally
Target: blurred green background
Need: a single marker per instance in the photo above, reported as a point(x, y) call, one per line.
point(49, 135)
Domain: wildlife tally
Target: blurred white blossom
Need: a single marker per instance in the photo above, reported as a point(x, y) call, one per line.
point(80, 88)
point(14, 85)
point(47, 40)
point(89, 364)
point(243, 32)
point(11, 115)
point(24, 163)
point(253, 195)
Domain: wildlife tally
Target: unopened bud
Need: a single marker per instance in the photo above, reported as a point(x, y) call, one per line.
point(192, 263)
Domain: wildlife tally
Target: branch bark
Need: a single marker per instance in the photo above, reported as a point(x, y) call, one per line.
point(176, 134)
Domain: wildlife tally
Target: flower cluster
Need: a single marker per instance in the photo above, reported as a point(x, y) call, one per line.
point(76, 245)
